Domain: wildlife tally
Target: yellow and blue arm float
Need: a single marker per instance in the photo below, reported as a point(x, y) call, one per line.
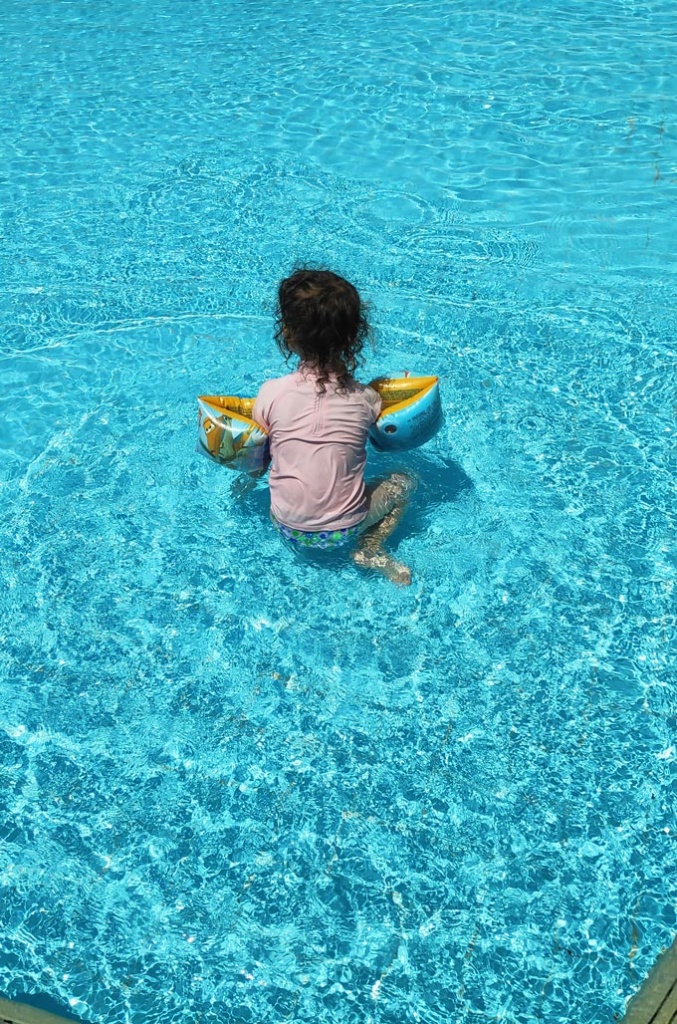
point(411, 413)
point(227, 433)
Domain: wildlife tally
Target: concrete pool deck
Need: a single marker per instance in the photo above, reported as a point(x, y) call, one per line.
point(656, 1000)
point(21, 1013)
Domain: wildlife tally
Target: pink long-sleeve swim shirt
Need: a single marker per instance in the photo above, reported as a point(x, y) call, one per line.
point(318, 449)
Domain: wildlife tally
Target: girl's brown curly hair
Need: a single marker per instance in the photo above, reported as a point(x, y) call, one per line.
point(321, 318)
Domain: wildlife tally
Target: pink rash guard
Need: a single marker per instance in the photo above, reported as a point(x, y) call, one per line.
point(317, 444)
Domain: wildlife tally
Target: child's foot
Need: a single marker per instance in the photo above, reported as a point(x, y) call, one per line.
point(384, 563)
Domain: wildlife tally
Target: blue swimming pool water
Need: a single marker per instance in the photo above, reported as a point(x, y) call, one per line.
point(239, 787)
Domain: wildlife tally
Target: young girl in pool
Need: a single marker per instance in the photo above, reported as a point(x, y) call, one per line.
point(318, 418)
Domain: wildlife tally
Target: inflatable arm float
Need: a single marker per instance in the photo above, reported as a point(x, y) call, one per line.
point(227, 433)
point(411, 414)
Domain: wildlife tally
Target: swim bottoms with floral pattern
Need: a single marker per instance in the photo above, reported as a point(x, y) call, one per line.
point(318, 539)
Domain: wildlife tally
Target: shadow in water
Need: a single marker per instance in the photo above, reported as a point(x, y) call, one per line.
point(440, 479)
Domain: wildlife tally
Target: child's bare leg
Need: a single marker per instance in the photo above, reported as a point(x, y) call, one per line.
point(372, 555)
point(389, 502)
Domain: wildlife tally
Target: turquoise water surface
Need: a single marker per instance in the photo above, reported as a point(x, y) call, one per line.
point(241, 787)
